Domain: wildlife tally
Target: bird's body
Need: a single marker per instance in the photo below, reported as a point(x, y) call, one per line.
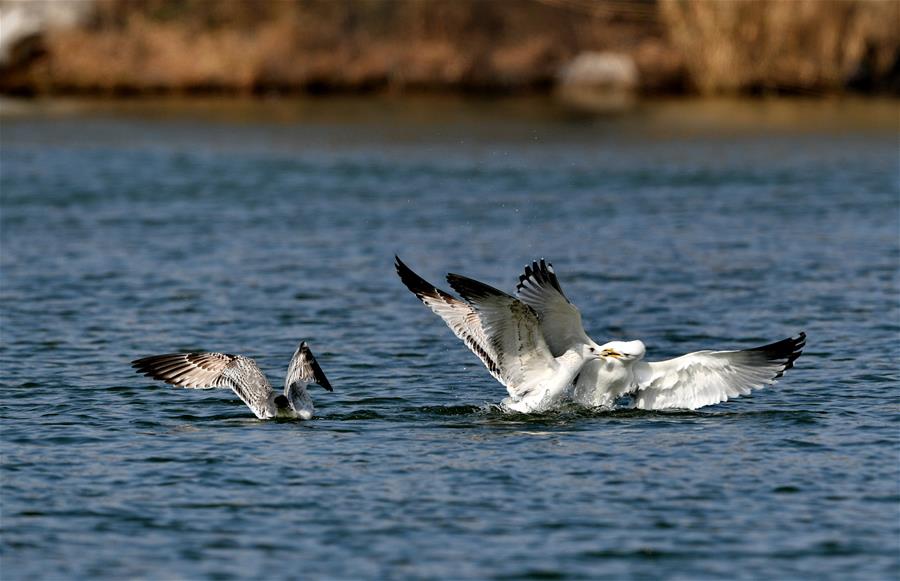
point(301, 404)
point(243, 376)
point(691, 381)
point(548, 389)
point(505, 334)
point(617, 379)
point(688, 382)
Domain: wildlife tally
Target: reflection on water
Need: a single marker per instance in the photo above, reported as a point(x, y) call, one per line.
point(702, 116)
point(139, 227)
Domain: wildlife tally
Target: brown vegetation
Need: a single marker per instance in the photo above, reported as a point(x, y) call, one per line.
point(795, 46)
point(139, 46)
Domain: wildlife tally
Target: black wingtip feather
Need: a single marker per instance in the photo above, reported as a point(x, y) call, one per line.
point(542, 272)
point(148, 365)
point(465, 286)
point(790, 349)
point(318, 374)
point(415, 283)
point(422, 288)
point(156, 366)
point(144, 361)
point(471, 289)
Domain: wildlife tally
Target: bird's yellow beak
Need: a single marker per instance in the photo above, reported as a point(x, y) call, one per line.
point(611, 353)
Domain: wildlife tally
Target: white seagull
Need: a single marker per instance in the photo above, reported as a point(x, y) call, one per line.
point(688, 382)
point(506, 335)
point(243, 376)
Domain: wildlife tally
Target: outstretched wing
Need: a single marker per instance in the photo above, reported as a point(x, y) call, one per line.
point(191, 370)
point(513, 332)
point(709, 377)
point(560, 320)
point(211, 370)
point(305, 368)
point(459, 316)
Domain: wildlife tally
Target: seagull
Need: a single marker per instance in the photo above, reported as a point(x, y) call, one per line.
point(506, 335)
point(243, 376)
point(688, 382)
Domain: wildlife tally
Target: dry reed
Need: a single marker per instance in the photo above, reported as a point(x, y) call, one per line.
point(783, 46)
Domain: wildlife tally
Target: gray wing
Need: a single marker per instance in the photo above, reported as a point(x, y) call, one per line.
point(213, 370)
point(710, 377)
point(513, 332)
point(459, 316)
point(560, 320)
point(304, 368)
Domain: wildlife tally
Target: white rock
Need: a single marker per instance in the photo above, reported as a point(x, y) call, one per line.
point(600, 70)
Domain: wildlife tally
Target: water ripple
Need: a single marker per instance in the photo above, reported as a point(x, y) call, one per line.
point(125, 235)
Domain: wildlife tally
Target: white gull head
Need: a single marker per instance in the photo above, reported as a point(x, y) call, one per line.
point(625, 351)
point(588, 351)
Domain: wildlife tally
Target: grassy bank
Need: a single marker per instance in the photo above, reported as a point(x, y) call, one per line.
point(243, 47)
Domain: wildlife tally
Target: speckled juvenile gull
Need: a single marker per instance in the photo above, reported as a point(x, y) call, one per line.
point(505, 334)
point(687, 382)
point(243, 376)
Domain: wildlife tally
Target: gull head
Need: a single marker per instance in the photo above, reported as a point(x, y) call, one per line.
point(624, 351)
point(590, 351)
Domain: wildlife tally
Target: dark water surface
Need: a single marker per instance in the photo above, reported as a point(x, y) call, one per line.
point(129, 230)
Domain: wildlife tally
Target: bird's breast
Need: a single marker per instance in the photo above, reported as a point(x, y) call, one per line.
point(602, 382)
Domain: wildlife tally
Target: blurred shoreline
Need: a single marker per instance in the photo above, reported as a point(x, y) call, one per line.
point(596, 53)
point(454, 116)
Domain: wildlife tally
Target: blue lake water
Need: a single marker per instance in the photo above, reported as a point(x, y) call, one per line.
point(140, 228)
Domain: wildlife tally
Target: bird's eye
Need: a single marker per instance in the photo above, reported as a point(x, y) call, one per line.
point(592, 350)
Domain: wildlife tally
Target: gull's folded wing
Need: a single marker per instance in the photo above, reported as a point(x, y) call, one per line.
point(709, 377)
point(210, 370)
point(560, 320)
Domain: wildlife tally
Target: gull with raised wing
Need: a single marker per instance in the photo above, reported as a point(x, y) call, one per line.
point(505, 334)
point(688, 382)
point(243, 376)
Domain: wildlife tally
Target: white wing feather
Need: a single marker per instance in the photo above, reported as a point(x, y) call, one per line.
point(501, 330)
point(459, 316)
point(514, 332)
point(709, 377)
point(560, 320)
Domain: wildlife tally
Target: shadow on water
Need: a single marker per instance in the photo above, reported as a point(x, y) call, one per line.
point(488, 414)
